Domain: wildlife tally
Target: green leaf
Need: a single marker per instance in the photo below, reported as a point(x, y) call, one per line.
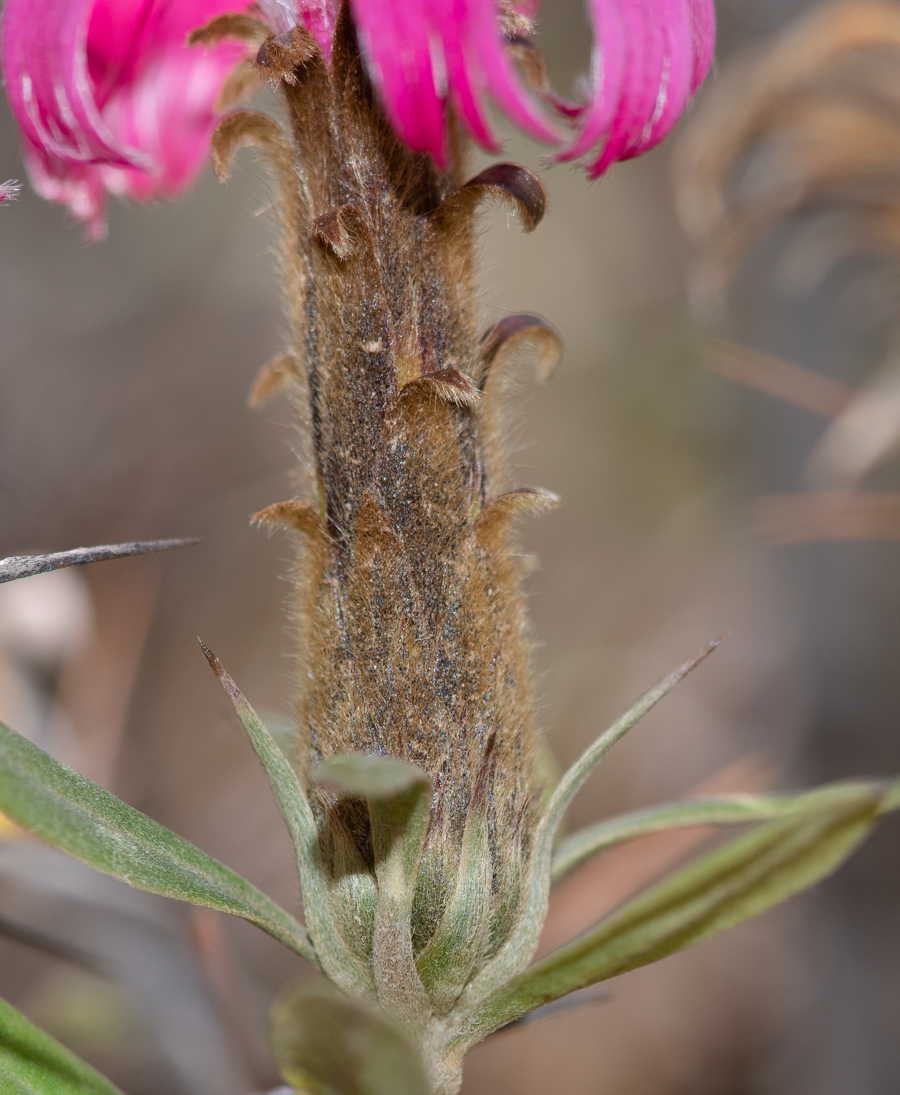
point(462, 934)
point(331, 951)
point(399, 799)
point(399, 828)
point(446, 963)
point(33, 1063)
point(364, 776)
point(68, 811)
point(522, 944)
point(327, 1045)
point(744, 877)
point(731, 809)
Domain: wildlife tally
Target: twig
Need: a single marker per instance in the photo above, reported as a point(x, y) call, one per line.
point(24, 566)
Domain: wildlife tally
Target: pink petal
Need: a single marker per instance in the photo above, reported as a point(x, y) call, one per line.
point(110, 98)
point(677, 74)
point(460, 77)
point(610, 61)
point(319, 17)
point(423, 54)
point(703, 22)
point(281, 15)
point(650, 56)
point(397, 42)
point(500, 80)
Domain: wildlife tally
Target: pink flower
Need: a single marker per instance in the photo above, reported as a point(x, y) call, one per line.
point(650, 56)
point(110, 98)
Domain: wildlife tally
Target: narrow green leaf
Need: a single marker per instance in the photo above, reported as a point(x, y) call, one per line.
point(331, 950)
point(744, 877)
point(521, 945)
point(719, 810)
point(574, 779)
point(328, 1045)
point(33, 1063)
point(68, 811)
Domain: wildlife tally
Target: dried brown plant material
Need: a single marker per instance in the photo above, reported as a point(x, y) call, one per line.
point(275, 376)
point(783, 379)
point(811, 122)
point(280, 55)
point(506, 181)
point(23, 566)
point(863, 436)
point(829, 516)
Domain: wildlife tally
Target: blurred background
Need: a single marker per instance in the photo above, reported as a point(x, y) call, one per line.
point(695, 503)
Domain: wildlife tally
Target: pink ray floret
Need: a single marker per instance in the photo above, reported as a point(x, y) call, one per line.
point(110, 98)
point(650, 56)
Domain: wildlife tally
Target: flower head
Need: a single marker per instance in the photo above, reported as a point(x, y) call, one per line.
point(110, 97)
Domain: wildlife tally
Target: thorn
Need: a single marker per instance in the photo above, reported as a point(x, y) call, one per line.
point(24, 566)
